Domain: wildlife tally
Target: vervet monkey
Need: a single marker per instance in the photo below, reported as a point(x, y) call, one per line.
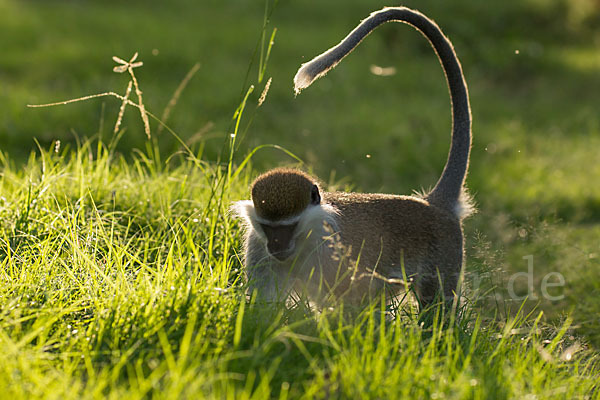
point(347, 246)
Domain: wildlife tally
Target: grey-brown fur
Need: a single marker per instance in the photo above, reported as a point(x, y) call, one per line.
point(361, 242)
point(348, 245)
point(390, 232)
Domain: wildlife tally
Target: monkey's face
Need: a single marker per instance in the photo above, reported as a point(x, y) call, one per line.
point(283, 199)
point(280, 239)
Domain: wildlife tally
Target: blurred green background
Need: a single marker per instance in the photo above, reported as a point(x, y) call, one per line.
point(533, 69)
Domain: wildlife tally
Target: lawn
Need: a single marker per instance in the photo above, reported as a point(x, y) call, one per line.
point(120, 262)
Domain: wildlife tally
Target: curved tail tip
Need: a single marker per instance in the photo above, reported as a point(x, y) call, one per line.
point(303, 79)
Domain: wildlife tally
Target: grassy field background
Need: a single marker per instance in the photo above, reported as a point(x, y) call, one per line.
point(119, 265)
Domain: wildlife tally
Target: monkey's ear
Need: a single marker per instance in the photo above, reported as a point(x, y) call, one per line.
point(315, 197)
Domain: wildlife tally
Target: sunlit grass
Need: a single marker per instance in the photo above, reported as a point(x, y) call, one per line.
point(122, 279)
point(120, 269)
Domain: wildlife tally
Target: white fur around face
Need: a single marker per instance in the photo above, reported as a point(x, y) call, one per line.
point(311, 222)
point(311, 257)
point(244, 210)
point(311, 219)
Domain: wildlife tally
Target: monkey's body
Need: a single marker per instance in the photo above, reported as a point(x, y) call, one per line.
point(368, 241)
point(405, 232)
point(346, 246)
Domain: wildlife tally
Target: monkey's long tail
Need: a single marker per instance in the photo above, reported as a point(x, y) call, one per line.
point(448, 192)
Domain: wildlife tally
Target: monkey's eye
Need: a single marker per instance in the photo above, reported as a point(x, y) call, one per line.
point(315, 197)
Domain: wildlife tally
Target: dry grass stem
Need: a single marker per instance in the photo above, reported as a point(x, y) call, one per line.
point(263, 95)
point(129, 66)
point(200, 133)
point(141, 104)
point(124, 66)
point(122, 109)
point(84, 98)
point(173, 101)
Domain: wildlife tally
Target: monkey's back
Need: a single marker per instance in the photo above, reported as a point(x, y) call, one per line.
point(387, 232)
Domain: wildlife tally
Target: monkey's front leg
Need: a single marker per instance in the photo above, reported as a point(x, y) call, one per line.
point(269, 278)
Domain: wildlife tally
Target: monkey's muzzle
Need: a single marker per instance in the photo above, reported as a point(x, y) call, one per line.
point(280, 243)
point(282, 255)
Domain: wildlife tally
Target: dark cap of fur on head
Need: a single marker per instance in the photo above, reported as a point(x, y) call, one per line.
point(282, 193)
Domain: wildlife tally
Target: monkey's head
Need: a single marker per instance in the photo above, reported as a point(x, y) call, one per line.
point(283, 193)
point(280, 197)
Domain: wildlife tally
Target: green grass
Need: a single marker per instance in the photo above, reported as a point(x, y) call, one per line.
point(119, 260)
point(121, 279)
